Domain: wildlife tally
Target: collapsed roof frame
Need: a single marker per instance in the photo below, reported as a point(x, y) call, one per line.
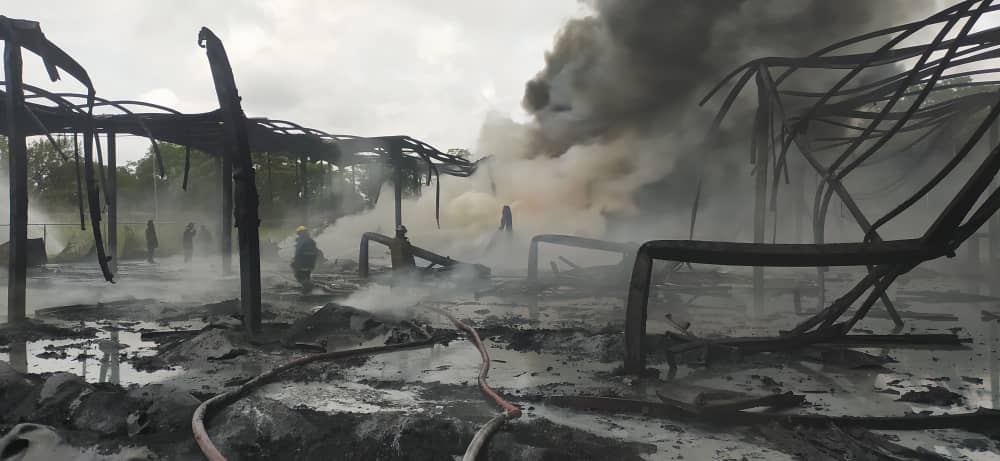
point(202, 131)
point(226, 133)
point(776, 129)
point(17, 35)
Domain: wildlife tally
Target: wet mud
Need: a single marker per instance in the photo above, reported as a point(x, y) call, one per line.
point(120, 379)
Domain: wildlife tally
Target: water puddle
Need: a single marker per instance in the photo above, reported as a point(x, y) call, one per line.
point(104, 359)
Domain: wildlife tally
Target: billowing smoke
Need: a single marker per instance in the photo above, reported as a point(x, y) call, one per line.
point(624, 84)
point(617, 143)
point(639, 66)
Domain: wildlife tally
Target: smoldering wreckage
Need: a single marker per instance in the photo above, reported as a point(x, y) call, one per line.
point(871, 348)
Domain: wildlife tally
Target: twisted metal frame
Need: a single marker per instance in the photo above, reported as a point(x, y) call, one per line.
point(870, 115)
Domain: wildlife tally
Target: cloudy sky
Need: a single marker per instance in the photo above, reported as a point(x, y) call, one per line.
point(428, 68)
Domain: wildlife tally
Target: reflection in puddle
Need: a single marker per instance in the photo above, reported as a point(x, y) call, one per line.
point(19, 356)
point(110, 351)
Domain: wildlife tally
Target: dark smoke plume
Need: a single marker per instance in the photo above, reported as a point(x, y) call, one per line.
point(640, 64)
point(638, 68)
point(616, 131)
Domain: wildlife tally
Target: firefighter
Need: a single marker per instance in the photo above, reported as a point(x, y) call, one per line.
point(188, 241)
point(305, 257)
point(151, 241)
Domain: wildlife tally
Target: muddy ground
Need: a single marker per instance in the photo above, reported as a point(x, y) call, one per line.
point(116, 372)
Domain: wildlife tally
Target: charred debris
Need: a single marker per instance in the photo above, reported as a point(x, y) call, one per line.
point(641, 373)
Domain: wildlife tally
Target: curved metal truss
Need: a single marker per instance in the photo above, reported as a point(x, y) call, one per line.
point(32, 111)
point(65, 114)
point(874, 98)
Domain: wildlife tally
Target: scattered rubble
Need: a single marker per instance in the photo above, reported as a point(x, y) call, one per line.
point(934, 395)
point(651, 356)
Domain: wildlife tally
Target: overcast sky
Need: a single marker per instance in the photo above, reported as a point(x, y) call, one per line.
point(428, 68)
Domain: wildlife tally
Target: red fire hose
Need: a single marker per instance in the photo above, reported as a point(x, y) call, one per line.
point(226, 398)
point(510, 410)
point(484, 370)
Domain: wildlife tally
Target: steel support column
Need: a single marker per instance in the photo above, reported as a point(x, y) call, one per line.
point(226, 211)
point(761, 166)
point(247, 201)
point(304, 188)
point(396, 158)
point(18, 176)
point(112, 192)
point(635, 313)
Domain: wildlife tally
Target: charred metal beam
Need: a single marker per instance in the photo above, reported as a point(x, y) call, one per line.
point(304, 187)
point(94, 202)
point(238, 152)
point(112, 190)
point(79, 181)
point(403, 254)
point(900, 252)
point(771, 104)
point(763, 144)
point(625, 249)
point(18, 176)
point(396, 160)
point(363, 251)
point(859, 108)
point(226, 211)
point(981, 420)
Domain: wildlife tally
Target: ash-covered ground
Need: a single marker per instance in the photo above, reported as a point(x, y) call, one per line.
point(118, 373)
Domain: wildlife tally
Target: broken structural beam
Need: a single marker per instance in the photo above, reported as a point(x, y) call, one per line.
point(20, 34)
point(403, 254)
point(237, 149)
point(625, 249)
point(981, 420)
point(699, 400)
point(17, 268)
point(731, 349)
point(931, 340)
point(901, 252)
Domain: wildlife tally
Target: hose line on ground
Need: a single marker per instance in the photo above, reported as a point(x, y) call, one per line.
point(483, 434)
point(484, 370)
point(511, 411)
point(198, 419)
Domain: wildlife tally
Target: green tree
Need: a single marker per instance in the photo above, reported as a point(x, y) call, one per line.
point(51, 179)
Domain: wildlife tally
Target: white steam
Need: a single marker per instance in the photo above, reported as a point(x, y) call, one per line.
point(616, 145)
